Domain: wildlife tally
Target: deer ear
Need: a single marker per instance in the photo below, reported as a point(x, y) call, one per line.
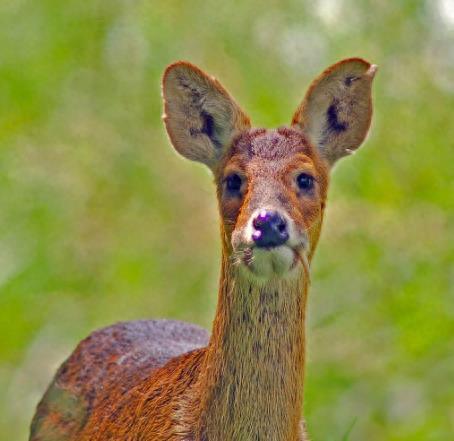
point(200, 116)
point(336, 112)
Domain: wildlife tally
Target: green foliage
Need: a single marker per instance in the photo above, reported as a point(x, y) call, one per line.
point(100, 221)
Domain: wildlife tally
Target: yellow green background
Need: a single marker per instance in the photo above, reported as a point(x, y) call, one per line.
point(100, 221)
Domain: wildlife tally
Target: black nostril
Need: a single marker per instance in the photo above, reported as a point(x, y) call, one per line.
point(270, 229)
point(282, 227)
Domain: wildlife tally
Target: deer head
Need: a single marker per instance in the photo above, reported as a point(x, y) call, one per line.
point(271, 183)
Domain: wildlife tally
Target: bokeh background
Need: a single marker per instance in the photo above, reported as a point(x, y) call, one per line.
point(100, 221)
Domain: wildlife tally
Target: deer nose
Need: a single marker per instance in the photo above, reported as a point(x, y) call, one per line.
point(270, 229)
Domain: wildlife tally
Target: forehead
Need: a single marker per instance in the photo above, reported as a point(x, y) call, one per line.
point(262, 149)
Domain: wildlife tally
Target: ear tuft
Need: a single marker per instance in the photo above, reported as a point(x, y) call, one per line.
point(200, 116)
point(336, 112)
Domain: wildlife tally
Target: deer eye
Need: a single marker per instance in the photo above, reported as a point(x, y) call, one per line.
point(305, 181)
point(233, 183)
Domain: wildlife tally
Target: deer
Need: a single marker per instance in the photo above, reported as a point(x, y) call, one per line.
point(170, 380)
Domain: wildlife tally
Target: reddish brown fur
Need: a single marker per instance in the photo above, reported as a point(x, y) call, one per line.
point(106, 366)
point(163, 380)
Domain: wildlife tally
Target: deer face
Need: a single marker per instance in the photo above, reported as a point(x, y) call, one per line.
point(271, 184)
point(272, 189)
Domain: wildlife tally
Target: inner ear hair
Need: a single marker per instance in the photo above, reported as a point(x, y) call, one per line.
point(200, 116)
point(336, 112)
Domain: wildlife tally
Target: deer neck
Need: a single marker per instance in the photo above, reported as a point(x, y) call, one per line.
point(251, 383)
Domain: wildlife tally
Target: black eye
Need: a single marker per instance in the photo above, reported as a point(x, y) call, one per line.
point(305, 182)
point(233, 183)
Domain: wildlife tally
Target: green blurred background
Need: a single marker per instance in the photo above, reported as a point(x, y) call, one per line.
point(101, 221)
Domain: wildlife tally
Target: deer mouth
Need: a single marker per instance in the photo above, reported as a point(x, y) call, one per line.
point(273, 262)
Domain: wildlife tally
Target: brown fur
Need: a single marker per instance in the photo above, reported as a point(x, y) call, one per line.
point(163, 380)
